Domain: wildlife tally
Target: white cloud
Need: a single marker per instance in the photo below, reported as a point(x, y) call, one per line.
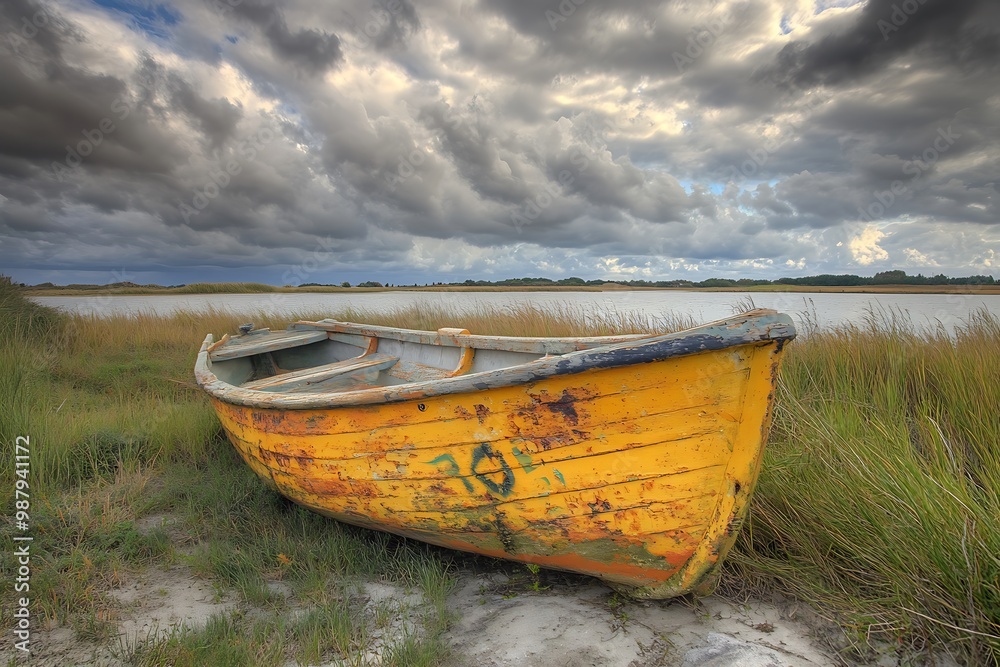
point(916, 258)
point(865, 247)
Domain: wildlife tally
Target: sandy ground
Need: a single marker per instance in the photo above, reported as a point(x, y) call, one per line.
point(590, 626)
point(565, 626)
point(498, 620)
point(153, 604)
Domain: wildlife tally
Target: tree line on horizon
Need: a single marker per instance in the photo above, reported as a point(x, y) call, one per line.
point(894, 277)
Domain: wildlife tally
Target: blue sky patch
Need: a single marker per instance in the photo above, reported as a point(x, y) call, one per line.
point(148, 17)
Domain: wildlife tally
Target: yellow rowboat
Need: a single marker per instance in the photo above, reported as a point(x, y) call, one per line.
point(629, 458)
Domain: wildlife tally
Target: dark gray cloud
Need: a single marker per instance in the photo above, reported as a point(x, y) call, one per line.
point(964, 34)
point(314, 51)
point(217, 119)
point(449, 139)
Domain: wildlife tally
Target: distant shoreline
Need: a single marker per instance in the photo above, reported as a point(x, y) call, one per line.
point(101, 290)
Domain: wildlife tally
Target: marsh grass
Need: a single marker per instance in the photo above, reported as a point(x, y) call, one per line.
point(119, 431)
point(880, 490)
point(517, 320)
point(878, 500)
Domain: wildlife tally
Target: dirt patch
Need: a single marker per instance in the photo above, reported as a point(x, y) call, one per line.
point(394, 613)
point(58, 647)
point(498, 620)
point(589, 625)
point(160, 601)
point(495, 623)
point(150, 605)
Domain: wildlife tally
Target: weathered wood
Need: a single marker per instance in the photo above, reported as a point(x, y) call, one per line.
point(465, 363)
point(372, 345)
point(468, 353)
point(295, 380)
point(263, 366)
point(511, 343)
point(245, 346)
point(412, 371)
point(219, 343)
point(632, 461)
point(754, 327)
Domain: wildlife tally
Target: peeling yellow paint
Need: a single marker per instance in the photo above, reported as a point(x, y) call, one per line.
point(637, 475)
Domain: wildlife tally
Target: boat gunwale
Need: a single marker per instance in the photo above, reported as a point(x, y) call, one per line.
point(752, 327)
point(442, 338)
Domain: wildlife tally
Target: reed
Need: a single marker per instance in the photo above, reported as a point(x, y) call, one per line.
point(518, 320)
point(878, 500)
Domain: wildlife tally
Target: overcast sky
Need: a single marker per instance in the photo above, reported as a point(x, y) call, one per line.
point(313, 141)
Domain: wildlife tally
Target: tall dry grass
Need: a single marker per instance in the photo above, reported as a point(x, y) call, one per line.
point(518, 320)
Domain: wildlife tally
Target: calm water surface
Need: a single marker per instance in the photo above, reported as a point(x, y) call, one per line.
point(825, 309)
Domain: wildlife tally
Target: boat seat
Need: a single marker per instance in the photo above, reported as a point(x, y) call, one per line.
point(300, 379)
point(266, 341)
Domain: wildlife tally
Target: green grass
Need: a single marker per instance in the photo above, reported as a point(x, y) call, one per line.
point(118, 432)
point(224, 288)
point(880, 490)
point(878, 500)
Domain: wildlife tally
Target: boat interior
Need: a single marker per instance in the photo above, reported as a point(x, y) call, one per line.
point(331, 356)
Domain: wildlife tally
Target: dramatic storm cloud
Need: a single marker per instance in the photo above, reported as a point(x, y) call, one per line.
point(306, 141)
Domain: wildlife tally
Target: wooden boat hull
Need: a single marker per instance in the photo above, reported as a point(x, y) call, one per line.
point(638, 473)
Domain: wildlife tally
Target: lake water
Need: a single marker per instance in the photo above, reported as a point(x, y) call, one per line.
point(824, 309)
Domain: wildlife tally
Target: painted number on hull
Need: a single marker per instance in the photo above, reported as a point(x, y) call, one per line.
point(447, 464)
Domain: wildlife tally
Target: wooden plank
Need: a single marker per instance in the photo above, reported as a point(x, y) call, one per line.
point(307, 376)
point(446, 337)
point(412, 371)
point(219, 343)
point(468, 353)
point(245, 346)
